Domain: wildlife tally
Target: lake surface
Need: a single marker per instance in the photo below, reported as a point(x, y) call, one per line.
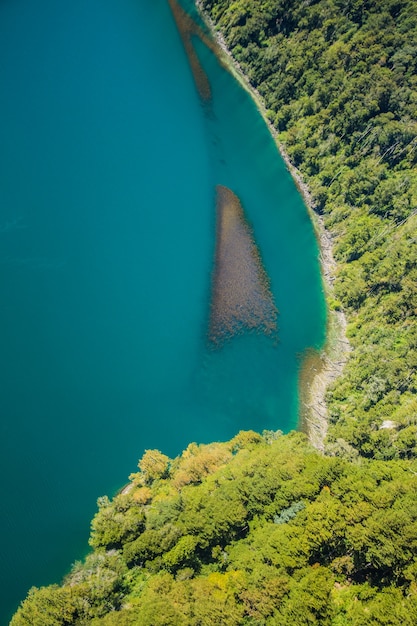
point(108, 168)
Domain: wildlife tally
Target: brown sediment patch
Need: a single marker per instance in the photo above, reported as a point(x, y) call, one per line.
point(318, 370)
point(187, 28)
point(313, 381)
point(241, 294)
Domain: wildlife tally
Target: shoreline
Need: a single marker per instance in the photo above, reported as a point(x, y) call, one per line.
point(318, 369)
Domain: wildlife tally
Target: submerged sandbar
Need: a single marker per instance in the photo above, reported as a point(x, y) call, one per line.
point(187, 29)
point(241, 294)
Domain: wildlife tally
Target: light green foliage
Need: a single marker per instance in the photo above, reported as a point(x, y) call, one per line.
point(212, 552)
point(196, 462)
point(364, 606)
point(153, 465)
point(182, 554)
point(48, 606)
point(116, 523)
point(309, 599)
point(151, 543)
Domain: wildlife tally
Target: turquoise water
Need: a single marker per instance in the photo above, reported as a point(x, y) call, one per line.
point(108, 169)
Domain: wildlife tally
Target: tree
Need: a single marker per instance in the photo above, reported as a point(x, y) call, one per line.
point(153, 465)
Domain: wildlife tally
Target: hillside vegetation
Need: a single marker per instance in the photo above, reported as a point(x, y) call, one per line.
point(263, 530)
point(259, 530)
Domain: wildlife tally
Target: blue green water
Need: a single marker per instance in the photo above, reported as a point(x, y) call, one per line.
point(108, 169)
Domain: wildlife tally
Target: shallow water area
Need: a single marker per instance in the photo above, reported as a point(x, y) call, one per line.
point(107, 235)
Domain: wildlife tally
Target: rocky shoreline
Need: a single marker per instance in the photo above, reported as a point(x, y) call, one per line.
point(318, 370)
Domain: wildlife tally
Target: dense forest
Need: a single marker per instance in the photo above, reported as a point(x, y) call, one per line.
point(263, 529)
point(259, 530)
